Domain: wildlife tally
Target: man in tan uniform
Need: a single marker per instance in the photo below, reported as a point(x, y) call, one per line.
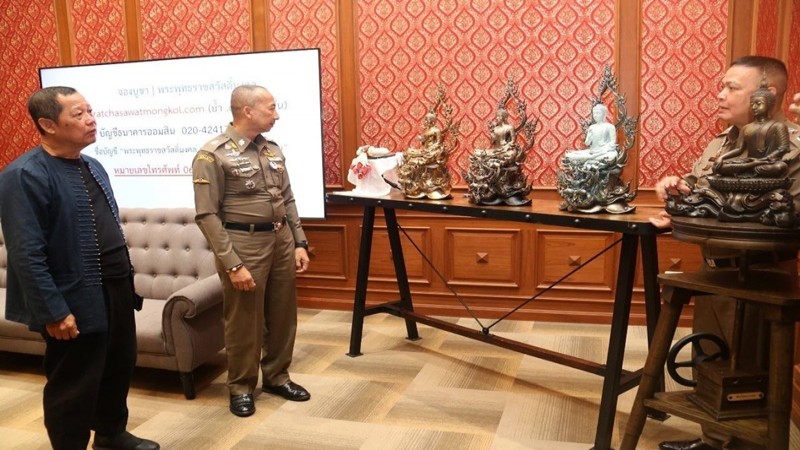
point(715, 313)
point(247, 212)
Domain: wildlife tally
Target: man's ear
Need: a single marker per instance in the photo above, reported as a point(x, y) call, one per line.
point(48, 125)
point(774, 90)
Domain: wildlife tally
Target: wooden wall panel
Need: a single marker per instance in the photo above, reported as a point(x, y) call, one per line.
point(327, 252)
point(562, 251)
point(382, 267)
point(483, 257)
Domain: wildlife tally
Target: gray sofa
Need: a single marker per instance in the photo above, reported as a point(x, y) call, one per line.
point(180, 326)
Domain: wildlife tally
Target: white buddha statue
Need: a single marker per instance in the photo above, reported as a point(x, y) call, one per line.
point(601, 137)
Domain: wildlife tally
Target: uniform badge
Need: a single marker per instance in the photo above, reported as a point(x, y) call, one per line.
point(276, 163)
point(205, 157)
point(250, 184)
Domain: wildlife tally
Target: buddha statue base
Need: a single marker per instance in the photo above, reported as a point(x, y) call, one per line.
point(732, 199)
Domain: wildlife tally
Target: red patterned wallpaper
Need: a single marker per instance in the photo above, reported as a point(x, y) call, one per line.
point(555, 49)
point(99, 30)
point(683, 60)
point(27, 42)
point(793, 63)
point(307, 24)
point(767, 28)
point(194, 27)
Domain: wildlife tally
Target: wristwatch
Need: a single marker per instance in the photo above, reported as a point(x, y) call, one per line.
point(235, 268)
point(303, 244)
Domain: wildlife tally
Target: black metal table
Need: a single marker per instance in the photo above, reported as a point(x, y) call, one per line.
point(635, 229)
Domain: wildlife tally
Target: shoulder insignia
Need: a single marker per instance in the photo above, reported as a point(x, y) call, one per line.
point(205, 156)
point(200, 181)
point(215, 143)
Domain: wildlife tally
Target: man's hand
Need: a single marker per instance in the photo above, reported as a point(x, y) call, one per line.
point(663, 220)
point(65, 329)
point(671, 185)
point(795, 106)
point(301, 259)
point(242, 280)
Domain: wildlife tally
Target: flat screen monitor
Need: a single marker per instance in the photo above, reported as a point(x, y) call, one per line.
point(153, 116)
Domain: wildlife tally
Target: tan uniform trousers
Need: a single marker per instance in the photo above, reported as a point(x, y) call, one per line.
point(260, 325)
point(715, 314)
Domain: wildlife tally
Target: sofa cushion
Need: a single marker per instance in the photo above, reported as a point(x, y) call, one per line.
point(14, 330)
point(167, 250)
point(149, 330)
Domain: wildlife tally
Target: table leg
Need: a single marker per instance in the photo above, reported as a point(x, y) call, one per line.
point(400, 270)
point(616, 343)
point(779, 395)
point(653, 371)
point(652, 302)
point(362, 276)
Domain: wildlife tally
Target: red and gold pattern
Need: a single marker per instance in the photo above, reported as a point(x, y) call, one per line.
point(99, 30)
point(555, 50)
point(767, 28)
point(793, 62)
point(683, 60)
point(194, 27)
point(27, 42)
point(308, 24)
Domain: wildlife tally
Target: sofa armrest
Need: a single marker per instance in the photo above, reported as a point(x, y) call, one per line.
point(195, 298)
point(185, 306)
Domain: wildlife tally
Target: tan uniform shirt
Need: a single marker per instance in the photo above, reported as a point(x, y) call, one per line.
point(236, 180)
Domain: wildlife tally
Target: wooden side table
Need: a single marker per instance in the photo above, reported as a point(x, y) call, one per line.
point(778, 297)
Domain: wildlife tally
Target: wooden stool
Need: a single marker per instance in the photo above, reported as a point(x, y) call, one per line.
point(778, 296)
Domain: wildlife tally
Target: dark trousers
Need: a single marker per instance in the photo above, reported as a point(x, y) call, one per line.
point(88, 377)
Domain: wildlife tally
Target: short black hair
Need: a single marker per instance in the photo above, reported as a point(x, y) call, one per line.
point(774, 69)
point(44, 104)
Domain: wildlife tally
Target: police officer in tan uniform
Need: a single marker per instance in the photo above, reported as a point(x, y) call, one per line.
point(247, 212)
point(715, 314)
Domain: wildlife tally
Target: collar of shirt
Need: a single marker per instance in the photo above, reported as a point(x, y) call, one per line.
point(241, 142)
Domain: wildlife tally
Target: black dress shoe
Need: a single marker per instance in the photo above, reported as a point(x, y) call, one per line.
point(122, 441)
point(290, 391)
point(696, 444)
point(243, 405)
